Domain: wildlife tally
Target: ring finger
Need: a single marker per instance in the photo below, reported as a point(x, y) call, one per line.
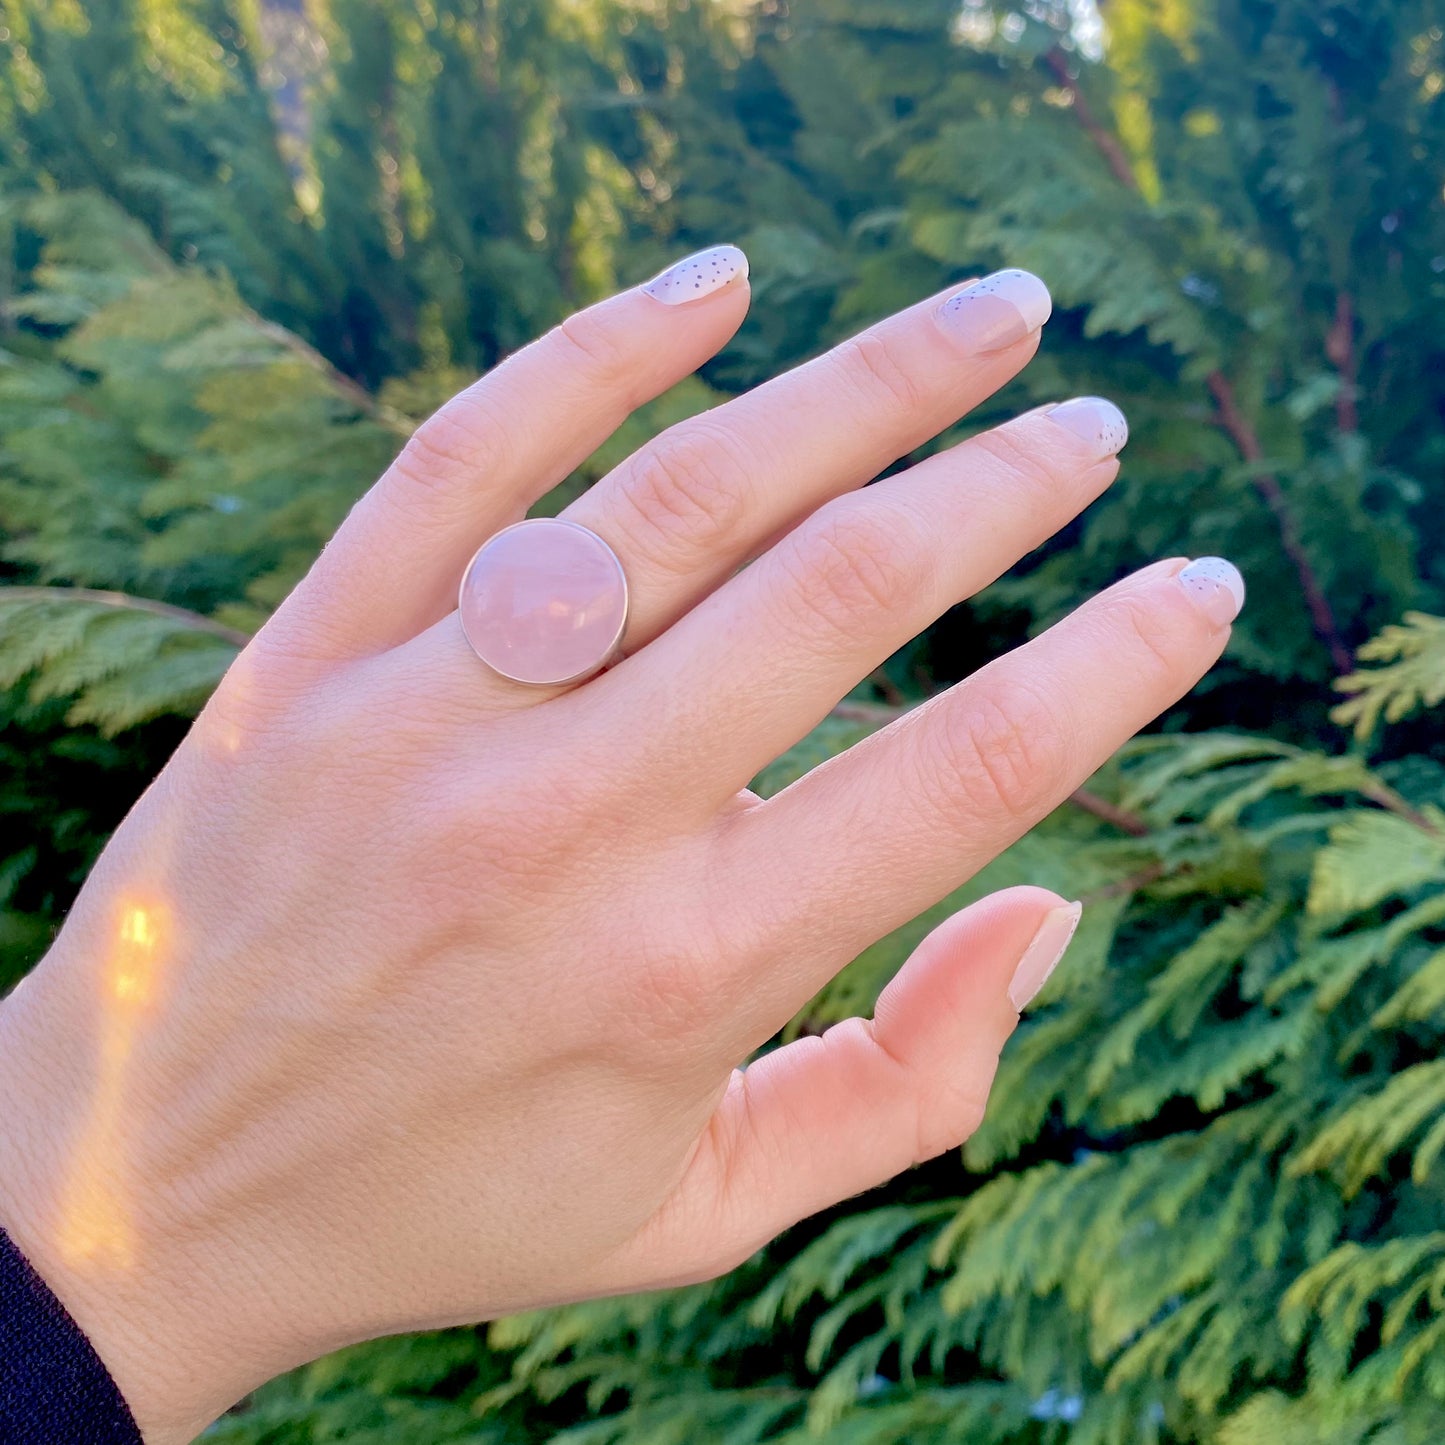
point(764, 658)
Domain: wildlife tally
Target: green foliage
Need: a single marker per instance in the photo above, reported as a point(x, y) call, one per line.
point(248, 243)
point(119, 663)
point(1413, 675)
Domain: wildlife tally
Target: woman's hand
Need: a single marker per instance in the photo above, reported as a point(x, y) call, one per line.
point(409, 996)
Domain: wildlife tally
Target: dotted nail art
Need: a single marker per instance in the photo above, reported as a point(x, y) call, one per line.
point(1206, 575)
point(997, 312)
point(1113, 435)
point(697, 276)
point(1005, 281)
point(1096, 420)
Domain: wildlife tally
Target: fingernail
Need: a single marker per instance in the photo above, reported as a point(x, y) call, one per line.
point(1042, 955)
point(1215, 587)
point(697, 276)
point(1098, 422)
point(995, 313)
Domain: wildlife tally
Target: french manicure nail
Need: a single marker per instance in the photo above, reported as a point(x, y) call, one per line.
point(1096, 421)
point(1042, 955)
point(697, 276)
point(999, 311)
point(1215, 587)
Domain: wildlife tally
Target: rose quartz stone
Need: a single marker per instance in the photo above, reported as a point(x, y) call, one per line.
point(544, 601)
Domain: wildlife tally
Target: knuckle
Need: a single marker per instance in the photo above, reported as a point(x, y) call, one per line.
point(678, 983)
point(597, 347)
point(685, 490)
point(547, 813)
point(1005, 750)
point(451, 448)
point(252, 699)
point(672, 986)
point(942, 1109)
point(681, 991)
point(945, 1108)
point(851, 563)
point(1153, 635)
point(875, 359)
point(506, 847)
point(1021, 460)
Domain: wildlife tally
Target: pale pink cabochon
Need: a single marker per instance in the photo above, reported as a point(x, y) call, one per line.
point(544, 601)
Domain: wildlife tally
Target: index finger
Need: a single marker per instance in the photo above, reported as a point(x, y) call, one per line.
point(480, 462)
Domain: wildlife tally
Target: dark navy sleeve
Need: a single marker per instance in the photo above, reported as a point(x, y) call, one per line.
point(54, 1390)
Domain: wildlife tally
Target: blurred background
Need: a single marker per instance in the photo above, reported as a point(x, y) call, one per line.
point(246, 244)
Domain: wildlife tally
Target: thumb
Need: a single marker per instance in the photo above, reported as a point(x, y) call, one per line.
point(827, 1117)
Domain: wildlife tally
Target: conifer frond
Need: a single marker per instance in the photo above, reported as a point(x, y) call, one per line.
point(1311, 774)
point(1179, 994)
point(1332, 965)
point(824, 1269)
point(1359, 1140)
point(1286, 1420)
point(123, 661)
point(1174, 777)
point(1412, 675)
point(1422, 996)
point(1372, 856)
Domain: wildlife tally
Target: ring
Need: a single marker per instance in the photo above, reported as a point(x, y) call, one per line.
point(544, 602)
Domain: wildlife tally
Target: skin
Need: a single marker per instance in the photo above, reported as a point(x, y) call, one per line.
point(408, 996)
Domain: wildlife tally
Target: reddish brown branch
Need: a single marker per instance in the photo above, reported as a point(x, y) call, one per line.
point(867, 712)
point(887, 687)
point(1231, 419)
point(1107, 142)
point(1393, 802)
point(364, 401)
point(1340, 339)
point(1131, 823)
point(1121, 886)
point(1242, 433)
point(1102, 808)
point(1340, 348)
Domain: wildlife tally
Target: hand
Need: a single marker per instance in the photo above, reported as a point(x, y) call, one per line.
point(409, 996)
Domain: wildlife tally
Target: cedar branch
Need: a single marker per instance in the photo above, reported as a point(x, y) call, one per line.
point(1242, 433)
point(1340, 348)
point(1107, 142)
point(195, 621)
point(1229, 418)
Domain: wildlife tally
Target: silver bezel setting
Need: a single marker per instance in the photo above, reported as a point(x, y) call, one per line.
point(614, 652)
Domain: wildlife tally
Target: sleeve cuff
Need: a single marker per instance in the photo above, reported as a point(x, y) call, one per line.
point(54, 1390)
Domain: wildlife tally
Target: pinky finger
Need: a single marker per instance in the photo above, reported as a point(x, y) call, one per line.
point(826, 1117)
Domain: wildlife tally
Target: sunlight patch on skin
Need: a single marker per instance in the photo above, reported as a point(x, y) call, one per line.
point(94, 1227)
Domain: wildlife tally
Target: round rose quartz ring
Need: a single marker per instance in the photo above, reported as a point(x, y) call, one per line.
point(544, 602)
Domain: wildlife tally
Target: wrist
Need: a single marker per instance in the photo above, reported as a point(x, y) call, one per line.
point(78, 1201)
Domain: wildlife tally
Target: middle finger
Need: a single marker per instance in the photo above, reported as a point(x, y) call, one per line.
point(708, 493)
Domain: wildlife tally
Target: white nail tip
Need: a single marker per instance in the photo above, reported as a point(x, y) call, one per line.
point(697, 276)
point(1021, 289)
point(1205, 576)
point(1095, 420)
